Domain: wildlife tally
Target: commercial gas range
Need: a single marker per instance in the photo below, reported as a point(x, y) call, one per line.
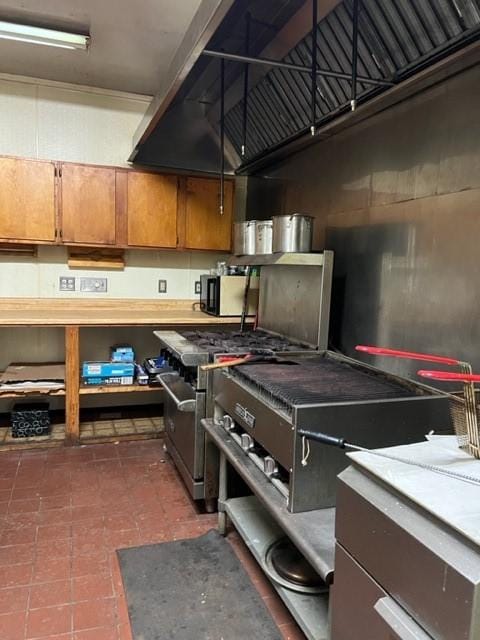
point(189, 390)
point(293, 315)
point(263, 405)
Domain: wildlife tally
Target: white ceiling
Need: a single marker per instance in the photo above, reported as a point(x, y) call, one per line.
point(132, 41)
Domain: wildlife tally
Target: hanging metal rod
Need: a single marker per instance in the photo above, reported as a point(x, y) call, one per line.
point(222, 136)
point(245, 85)
point(295, 67)
point(314, 65)
point(356, 13)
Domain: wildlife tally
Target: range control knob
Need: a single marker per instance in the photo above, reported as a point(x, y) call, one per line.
point(227, 423)
point(270, 467)
point(246, 442)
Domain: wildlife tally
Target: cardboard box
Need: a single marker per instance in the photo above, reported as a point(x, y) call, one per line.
point(107, 380)
point(122, 353)
point(108, 370)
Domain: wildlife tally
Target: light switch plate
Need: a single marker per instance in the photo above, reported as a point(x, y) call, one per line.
point(162, 286)
point(93, 285)
point(66, 283)
point(198, 287)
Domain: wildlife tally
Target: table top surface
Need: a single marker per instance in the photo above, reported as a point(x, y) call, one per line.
point(453, 501)
point(104, 312)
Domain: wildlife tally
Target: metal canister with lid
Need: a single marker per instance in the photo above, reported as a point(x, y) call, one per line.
point(244, 238)
point(263, 241)
point(292, 233)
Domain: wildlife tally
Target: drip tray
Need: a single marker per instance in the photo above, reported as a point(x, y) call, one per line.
point(287, 567)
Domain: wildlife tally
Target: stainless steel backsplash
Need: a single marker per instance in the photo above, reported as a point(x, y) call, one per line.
point(398, 200)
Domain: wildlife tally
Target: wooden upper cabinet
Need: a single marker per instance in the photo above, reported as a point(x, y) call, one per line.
point(27, 200)
point(151, 210)
point(205, 228)
point(88, 209)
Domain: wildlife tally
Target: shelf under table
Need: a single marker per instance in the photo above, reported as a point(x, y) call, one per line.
point(259, 531)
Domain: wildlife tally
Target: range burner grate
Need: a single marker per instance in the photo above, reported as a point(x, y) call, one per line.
point(235, 341)
point(318, 380)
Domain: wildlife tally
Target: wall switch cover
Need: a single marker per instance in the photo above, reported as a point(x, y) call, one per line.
point(198, 287)
point(66, 283)
point(93, 285)
point(162, 286)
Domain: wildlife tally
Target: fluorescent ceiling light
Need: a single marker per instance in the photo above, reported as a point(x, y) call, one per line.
point(38, 35)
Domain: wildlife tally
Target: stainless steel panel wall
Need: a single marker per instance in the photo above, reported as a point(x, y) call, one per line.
point(398, 200)
point(294, 303)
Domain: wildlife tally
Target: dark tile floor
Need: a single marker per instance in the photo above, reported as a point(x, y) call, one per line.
point(63, 514)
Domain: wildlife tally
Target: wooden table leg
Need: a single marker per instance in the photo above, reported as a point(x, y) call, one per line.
point(72, 385)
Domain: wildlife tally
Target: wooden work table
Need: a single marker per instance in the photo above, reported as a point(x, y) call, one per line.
point(81, 312)
point(75, 313)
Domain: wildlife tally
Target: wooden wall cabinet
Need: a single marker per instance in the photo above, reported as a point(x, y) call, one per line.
point(205, 228)
point(88, 205)
point(27, 200)
point(152, 203)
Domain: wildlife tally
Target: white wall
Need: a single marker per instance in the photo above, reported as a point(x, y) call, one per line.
point(57, 121)
point(38, 277)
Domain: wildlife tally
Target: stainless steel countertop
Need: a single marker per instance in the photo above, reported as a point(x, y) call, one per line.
point(455, 502)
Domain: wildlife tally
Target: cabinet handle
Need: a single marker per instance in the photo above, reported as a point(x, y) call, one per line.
point(398, 621)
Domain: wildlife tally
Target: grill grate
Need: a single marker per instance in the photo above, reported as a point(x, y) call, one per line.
point(318, 380)
point(236, 341)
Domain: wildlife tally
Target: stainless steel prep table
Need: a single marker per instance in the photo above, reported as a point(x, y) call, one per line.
point(407, 561)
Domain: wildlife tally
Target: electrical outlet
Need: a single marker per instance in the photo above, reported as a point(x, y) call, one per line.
point(162, 286)
point(198, 287)
point(95, 285)
point(66, 283)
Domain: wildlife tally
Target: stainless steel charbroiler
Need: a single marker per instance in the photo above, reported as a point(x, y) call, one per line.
point(264, 407)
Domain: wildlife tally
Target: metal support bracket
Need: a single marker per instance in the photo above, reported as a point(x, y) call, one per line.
point(222, 136)
point(356, 12)
point(245, 85)
point(314, 65)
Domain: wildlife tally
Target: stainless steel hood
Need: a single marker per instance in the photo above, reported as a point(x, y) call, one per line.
point(396, 41)
point(181, 127)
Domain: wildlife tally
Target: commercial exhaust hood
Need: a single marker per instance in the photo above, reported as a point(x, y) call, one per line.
point(279, 96)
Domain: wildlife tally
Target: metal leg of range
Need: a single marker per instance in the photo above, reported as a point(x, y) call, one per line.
point(210, 475)
point(222, 495)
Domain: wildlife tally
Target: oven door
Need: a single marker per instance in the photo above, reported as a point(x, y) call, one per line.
point(184, 408)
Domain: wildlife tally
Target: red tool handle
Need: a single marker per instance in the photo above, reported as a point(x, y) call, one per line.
point(230, 358)
point(381, 351)
point(449, 375)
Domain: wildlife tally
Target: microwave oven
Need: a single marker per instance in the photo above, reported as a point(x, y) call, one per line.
point(224, 295)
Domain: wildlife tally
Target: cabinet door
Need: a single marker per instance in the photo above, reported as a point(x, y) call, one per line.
point(152, 210)
point(27, 200)
point(205, 227)
point(88, 204)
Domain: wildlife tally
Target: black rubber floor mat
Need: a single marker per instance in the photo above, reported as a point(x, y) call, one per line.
point(192, 590)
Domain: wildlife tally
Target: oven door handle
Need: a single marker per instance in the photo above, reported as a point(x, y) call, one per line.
point(398, 621)
point(182, 405)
